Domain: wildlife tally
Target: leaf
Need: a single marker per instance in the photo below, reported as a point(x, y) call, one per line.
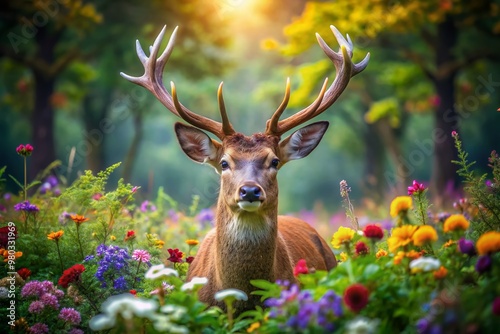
point(32, 184)
point(16, 181)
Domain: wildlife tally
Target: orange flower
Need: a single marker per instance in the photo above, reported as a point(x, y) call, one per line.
point(78, 219)
point(55, 235)
point(13, 256)
point(425, 234)
point(448, 243)
point(381, 253)
point(440, 273)
point(192, 242)
point(400, 204)
point(399, 257)
point(488, 243)
point(414, 254)
point(400, 236)
point(253, 327)
point(455, 223)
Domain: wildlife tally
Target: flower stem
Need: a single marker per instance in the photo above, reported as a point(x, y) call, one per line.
point(78, 238)
point(85, 293)
point(230, 315)
point(25, 180)
point(136, 273)
point(59, 254)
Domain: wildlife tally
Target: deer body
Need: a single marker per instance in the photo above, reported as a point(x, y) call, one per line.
point(250, 241)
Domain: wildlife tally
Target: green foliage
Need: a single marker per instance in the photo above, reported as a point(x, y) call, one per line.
point(386, 108)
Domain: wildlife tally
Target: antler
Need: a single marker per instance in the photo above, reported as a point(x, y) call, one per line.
point(345, 70)
point(152, 81)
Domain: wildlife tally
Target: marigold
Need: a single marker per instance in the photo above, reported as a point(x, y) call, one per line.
point(55, 235)
point(400, 236)
point(79, 219)
point(488, 243)
point(399, 257)
point(424, 234)
point(455, 223)
point(5, 254)
point(400, 204)
point(192, 242)
point(413, 254)
point(381, 253)
point(342, 236)
point(440, 273)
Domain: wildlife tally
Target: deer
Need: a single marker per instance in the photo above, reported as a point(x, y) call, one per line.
point(250, 240)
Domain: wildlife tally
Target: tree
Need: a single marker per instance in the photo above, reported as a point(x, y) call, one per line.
point(442, 38)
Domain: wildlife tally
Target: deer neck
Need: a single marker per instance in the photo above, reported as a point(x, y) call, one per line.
point(245, 247)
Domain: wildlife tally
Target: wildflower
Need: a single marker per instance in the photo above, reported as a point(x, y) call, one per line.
point(192, 242)
point(466, 247)
point(254, 326)
point(130, 235)
point(362, 325)
point(343, 256)
point(159, 271)
point(141, 255)
point(448, 243)
point(455, 223)
point(488, 243)
point(381, 253)
point(112, 238)
point(36, 307)
point(424, 264)
point(454, 134)
point(175, 255)
point(7, 256)
point(416, 188)
point(97, 196)
point(483, 264)
point(440, 273)
point(401, 236)
point(112, 259)
point(63, 217)
point(343, 236)
point(496, 306)
point(55, 235)
point(230, 294)
point(39, 328)
point(361, 248)
point(190, 259)
point(424, 234)
point(24, 273)
point(120, 283)
point(50, 300)
point(344, 189)
point(147, 206)
point(300, 268)
point(133, 292)
point(194, 284)
point(24, 150)
point(412, 254)
point(7, 233)
point(356, 297)
point(26, 206)
point(400, 205)
point(78, 219)
point(373, 232)
point(76, 331)
point(159, 244)
point(71, 275)
point(206, 216)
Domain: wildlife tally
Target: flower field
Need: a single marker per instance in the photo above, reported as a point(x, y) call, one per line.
point(92, 257)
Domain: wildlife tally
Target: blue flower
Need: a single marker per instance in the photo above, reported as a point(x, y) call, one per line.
point(26, 206)
point(120, 283)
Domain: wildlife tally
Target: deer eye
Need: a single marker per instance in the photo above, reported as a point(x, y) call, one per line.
point(224, 164)
point(275, 163)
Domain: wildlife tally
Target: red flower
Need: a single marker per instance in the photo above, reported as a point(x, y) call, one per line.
point(175, 255)
point(24, 273)
point(71, 275)
point(416, 188)
point(134, 292)
point(130, 235)
point(496, 306)
point(361, 248)
point(24, 150)
point(300, 268)
point(190, 259)
point(373, 232)
point(356, 297)
point(4, 235)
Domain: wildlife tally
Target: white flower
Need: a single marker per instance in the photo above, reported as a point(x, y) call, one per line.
point(230, 294)
point(195, 283)
point(127, 306)
point(175, 312)
point(424, 264)
point(159, 271)
point(362, 325)
point(162, 324)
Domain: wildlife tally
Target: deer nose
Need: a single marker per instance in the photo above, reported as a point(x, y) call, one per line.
point(250, 193)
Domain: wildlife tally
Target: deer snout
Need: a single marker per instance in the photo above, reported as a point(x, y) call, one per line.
point(250, 193)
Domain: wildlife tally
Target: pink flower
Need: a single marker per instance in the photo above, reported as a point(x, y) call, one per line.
point(416, 188)
point(454, 134)
point(39, 328)
point(70, 315)
point(36, 307)
point(24, 150)
point(300, 268)
point(141, 255)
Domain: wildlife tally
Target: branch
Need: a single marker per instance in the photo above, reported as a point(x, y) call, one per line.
point(420, 61)
point(451, 68)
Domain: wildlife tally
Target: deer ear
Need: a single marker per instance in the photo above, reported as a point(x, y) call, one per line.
point(302, 142)
point(197, 144)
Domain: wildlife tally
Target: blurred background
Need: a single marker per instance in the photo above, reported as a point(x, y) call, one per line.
point(434, 69)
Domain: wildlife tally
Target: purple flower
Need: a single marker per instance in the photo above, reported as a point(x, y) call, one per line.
point(36, 307)
point(76, 331)
point(7, 196)
point(88, 258)
point(45, 187)
point(39, 328)
point(423, 325)
point(52, 180)
point(205, 217)
point(50, 300)
point(32, 289)
point(173, 215)
point(483, 264)
point(70, 315)
point(147, 206)
point(26, 206)
point(120, 283)
point(466, 247)
point(64, 217)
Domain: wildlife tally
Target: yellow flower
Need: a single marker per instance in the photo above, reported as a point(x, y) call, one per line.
point(400, 236)
point(380, 253)
point(159, 243)
point(399, 257)
point(342, 236)
point(440, 273)
point(412, 254)
point(448, 243)
point(192, 242)
point(488, 243)
point(112, 237)
point(400, 204)
point(269, 44)
point(343, 257)
point(454, 223)
point(424, 234)
point(55, 235)
point(253, 327)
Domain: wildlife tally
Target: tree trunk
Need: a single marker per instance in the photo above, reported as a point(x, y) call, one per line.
point(373, 182)
point(128, 166)
point(444, 178)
